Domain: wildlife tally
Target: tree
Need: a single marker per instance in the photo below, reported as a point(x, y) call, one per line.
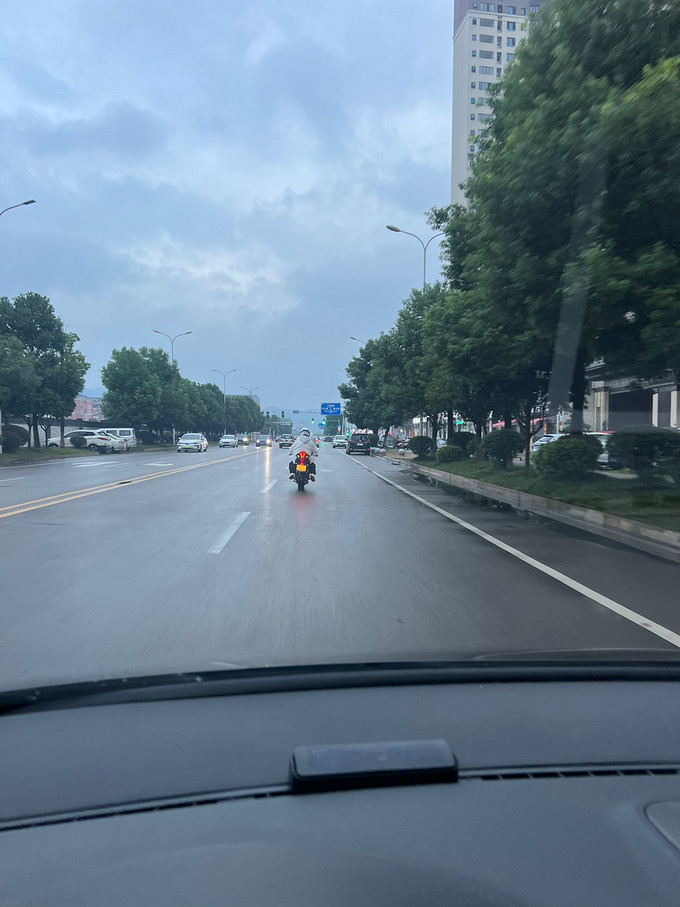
point(133, 391)
point(58, 369)
point(18, 378)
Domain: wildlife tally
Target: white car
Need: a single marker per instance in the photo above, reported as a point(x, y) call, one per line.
point(94, 440)
point(119, 445)
point(545, 439)
point(228, 441)
point(192, 441)
point(128, 435)
point(340, 441)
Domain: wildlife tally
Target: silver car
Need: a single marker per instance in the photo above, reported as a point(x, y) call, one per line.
point(192, 441)
point(228, 441)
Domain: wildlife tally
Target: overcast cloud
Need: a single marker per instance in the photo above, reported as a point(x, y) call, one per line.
point(227, 168)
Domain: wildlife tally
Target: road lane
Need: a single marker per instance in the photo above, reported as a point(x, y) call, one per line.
point(125, 583)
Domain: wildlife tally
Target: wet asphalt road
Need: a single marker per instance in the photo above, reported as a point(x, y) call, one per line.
point(145, 563)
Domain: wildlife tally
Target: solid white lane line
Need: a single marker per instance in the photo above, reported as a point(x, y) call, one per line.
point(231, 531)
point(621, 610)
point(13, 479)
point(270, 486)
point(158, 464)
point(93, 465)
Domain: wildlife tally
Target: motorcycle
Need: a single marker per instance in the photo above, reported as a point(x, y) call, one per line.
point(302, 473)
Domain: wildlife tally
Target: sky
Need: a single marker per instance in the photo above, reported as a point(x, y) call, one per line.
point(226, 168)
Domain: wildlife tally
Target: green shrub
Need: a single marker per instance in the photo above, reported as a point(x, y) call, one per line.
point(474, 448)
point(502, 446)
point(422, 446)
point(78, 441)
point(571, 457)
point(461, 439)
point(645, 450)
point(13, 437)
point(449, 454)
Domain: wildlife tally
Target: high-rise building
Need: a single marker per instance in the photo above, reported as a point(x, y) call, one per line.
point(485, 37)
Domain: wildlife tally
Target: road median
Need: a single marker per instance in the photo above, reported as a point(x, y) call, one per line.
point(643, 536)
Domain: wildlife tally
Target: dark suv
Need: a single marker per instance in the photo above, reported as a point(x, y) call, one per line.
point(359, 443)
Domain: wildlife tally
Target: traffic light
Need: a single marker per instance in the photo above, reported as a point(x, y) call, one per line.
point(267, 414)
point(283, 415)
point(312, 421)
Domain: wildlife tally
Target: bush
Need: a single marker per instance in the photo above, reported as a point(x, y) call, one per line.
point(422, 446)
point(13, 437)
point(502, 445)
point(645, 450)
point(449, 454)
point(571, 457)
point(474, 448)
point(78, 441)
point(461, 439)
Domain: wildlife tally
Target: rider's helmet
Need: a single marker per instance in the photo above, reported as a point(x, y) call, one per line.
point(304, 431)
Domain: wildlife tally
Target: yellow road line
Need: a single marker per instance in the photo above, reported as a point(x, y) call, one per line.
point(65, 496)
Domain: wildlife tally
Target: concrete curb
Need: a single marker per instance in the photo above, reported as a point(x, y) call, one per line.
point(661, 542)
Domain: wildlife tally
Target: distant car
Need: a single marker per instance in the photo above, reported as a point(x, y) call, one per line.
point(286, 441)
point(228, 441)
point(359, 443)
point(340, 441)
point(119, 445)
point(605, 460)
point(545, 439)
point(128, 434)
point(263, 441)
point(327, 438)
point(94, 440)
point(192, 441)
point(242, 439)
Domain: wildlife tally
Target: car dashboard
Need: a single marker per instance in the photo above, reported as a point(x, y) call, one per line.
point(566, 791)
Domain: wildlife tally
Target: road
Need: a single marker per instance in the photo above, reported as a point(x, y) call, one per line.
point(143, 563)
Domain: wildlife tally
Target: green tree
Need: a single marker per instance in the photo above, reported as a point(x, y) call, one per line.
point(133, 391)
point(62, 377)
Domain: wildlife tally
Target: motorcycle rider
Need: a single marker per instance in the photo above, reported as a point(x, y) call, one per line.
point(304, 442)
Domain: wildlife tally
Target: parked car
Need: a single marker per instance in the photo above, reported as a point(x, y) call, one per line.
point(604, 460)
point(286, 441)
point(340, 441)
point(545, 439)
point(359, 443)
point(94, 440)
point(127, 433)
point(192, 441)
point(118, 445)
point(228, 441)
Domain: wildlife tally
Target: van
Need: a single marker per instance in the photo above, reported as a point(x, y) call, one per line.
point(127, 434)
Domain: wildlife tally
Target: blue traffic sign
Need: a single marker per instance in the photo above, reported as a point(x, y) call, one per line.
point(330, 409)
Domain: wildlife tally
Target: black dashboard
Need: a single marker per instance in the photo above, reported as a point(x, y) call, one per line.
point(567, 791)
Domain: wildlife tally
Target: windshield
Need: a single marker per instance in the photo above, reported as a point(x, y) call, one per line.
point(444, 236)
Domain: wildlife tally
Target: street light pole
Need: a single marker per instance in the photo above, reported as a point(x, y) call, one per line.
point(31, 201)
point(172, 360)
point(424, 245)
point(224, 391)
point(250, 389)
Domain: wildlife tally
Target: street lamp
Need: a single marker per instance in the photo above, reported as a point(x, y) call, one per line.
point(172, 359)
point(31, 201)
point(224, 391)
point(250, 389)
point(424, 245)
point(363, 342)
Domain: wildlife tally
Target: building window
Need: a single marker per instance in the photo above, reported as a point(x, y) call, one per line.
point(484, 117)
point(474, 53)
point(499, 58)
point(484, 54)
point(472, 116)
point(523, 11)
point(486, 39)
point(486, 70)
point(511, 26)
point(472, 147)
point(512, 10)
point(534, 8)
point(474, 21)
point(510, 42)
point(472, 132)
point(473, 84)
point(509, 57)
point(484, 86)
point(499, 42)
point(474, 37)
point(487, 23)
point(500, 8)
point(473, 69)
point(473, 101)
point(498, 72)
